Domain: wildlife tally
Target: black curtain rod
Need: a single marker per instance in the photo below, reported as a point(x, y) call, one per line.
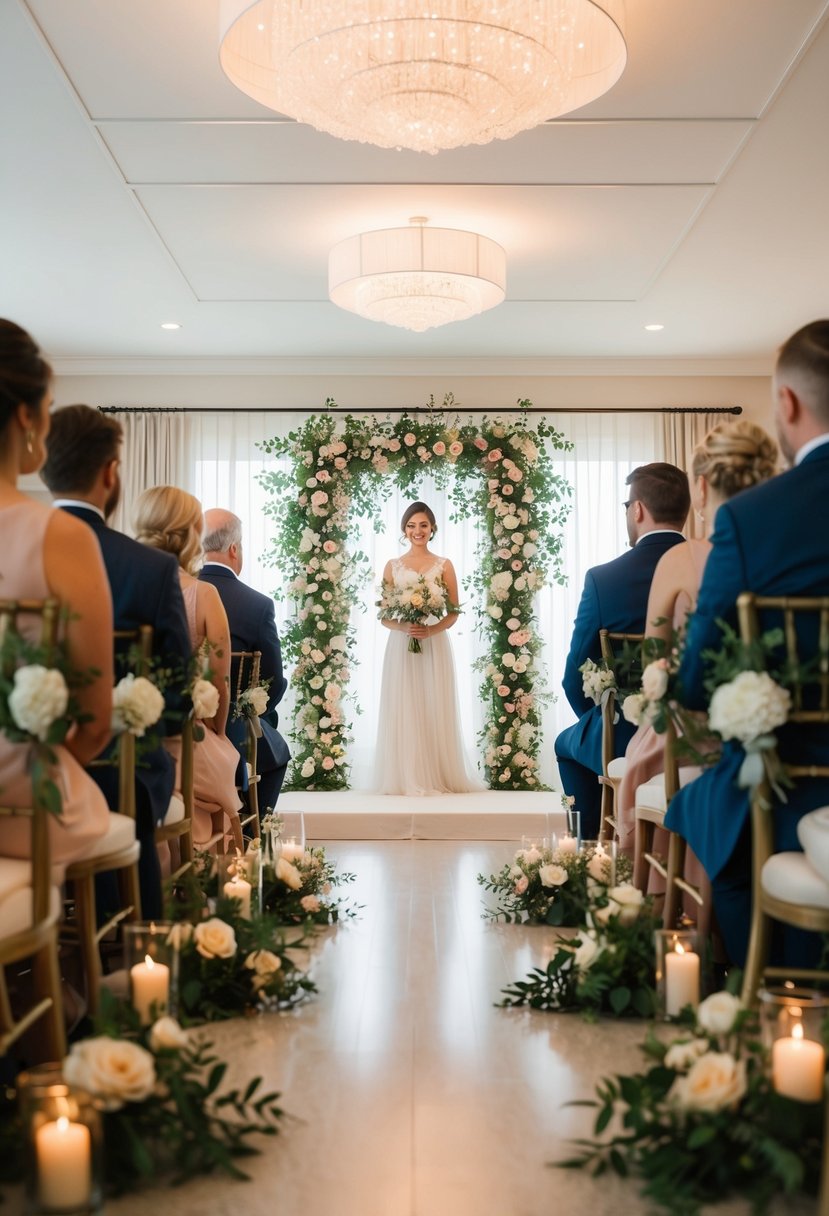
point(416, 409)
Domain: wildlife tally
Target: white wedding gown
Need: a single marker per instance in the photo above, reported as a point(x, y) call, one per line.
point(419, 745)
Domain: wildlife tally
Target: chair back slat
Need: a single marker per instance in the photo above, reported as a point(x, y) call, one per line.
point(797, 612)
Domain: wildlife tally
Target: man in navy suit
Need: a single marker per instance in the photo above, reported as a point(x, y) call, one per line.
point(252, 627)
point(615, 598)
point(773, 540)
point(81, 472)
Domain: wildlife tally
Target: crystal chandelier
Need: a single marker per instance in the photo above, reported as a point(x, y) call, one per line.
point(417, 277)
point(423, 74)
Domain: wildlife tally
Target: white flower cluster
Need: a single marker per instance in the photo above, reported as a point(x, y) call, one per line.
point(643, 706)
point(597, 679)
point(254, 700)
point(39, 698)
point(136, 705)
point(712, 1078)
point(625, 904)
point(114, 1071)
point(748, 707)
point(205, 697)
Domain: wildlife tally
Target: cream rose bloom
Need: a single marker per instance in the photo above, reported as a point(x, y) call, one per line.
point(598, 867)
point(749, 706)
point(256, 698)
point(655, 680)
point(215, 938)
point(586, 953)
point(715, 1081)
point(682, 1055)
point(39, 698)
point(553, 876)
point(263, 962)
point(136, 704)
point(205, 699)
point(112, 1070)
point(633, 708)
point(718, 1013)
point(308, 767)
point(628, 902)
point(288, 874)
point(166, 1033)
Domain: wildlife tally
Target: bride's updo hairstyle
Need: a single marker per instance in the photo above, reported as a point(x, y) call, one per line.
point(171, 519)
point(735, 456)
point(418, 508)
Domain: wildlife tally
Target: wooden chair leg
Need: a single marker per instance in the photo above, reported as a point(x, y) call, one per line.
point(85, 911)
point(673, 894)
point(642, 844)
point(758, 952)
point(46, 976)
point(129, 891)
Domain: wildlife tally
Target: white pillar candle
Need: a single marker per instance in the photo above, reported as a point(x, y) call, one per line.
point(292, 851)
point(239, 888)
point(64, 1165)
point(567, 844)
point(681, 980)
point(150, 985)
point(798, 1066)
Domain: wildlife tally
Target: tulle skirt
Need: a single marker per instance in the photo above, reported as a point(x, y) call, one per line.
point(419, 746)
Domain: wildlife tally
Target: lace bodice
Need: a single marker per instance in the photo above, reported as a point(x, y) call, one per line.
point(404, 576)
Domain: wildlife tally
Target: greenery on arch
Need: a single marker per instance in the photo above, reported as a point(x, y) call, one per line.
point(503, 472)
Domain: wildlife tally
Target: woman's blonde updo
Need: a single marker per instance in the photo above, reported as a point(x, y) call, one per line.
point(171, 519)
point(735, 456)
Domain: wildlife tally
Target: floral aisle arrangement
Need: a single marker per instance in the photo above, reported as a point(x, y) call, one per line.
point(550, 886)
point(598, 680)
point(607, 969)
point(503, 473)
point(704, 1122)
point(427, 599)
point(302, 889)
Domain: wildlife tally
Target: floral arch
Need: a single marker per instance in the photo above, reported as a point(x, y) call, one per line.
point(501, 470)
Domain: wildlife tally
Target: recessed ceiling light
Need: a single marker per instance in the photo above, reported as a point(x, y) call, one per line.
point(654, 328)
point(170, 325)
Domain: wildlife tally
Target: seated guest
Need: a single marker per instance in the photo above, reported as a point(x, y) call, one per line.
point(252, 627)
point(45, 553)
point(772, 540)
point(170, 519)
point(81, 471)
point(733, 456)
point(615, 598)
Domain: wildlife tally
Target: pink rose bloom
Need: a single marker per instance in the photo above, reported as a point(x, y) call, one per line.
point(323, 475)
point(492, 483)
point(310, 903)
point(424, 456)
point(517, 565)
point(494, 455)
point(394, 445)
point(339, 463)
point(509, 707)
point(503, 554)
point(519, 638)
point(328, 763)
point(439, 448)
point(507, 489)
point(522, 884)
point(410, 440)
point(502, 690)
point(455, 448)
point(330, 546)
point(514, 474)
point(481, 444)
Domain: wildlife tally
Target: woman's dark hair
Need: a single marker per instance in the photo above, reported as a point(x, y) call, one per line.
point(418, 508)
point(24, 373)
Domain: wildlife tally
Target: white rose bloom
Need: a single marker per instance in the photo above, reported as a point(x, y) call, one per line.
point(316, 682)
point(338, 642)
point(715, 1081)
point(718, 1012)
point(586, 953)
point(136, 704)
point(508, 659)
point(495, 612)
point(628, 901)
point(751, 705)
point(682, 1055)
point(205, 699)
point(288, 874)
point(258, 698)
point(655, 680)
point(215, 938)
point(553, 876)
point(318, 655)
point(166, 1032)
point(113, 1070)
point(633, 708)
point(38, 699)
point(263, 962)
point(308, 767)
point(511, 522)
point(598, 866)
point(529, 549)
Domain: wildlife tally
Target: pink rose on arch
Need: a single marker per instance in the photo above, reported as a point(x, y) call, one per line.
point(328, 763)
point(495, 455)
point(394, 445)
point(506, 489)
point(514, 474)
point(330, 546)
point(492, 483)
point(455, 448)
point(323, 475)
point(339, 463)
point(519, 638)
point(410, 440)
point(517, 565)
point(424, 456)
point(509, 707)
point(439, 448)
point(502, 690)
point(504, 554)
point(481, 444)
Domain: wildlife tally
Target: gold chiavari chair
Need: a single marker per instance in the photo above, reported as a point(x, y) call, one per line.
point(247, 675)
point(29, 903)
point(785, 887)
point(613, 766)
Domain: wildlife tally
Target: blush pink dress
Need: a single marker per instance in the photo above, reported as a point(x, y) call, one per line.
point(85, 814)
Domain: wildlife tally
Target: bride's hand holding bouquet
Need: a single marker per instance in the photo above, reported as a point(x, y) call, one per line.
point(417, 604)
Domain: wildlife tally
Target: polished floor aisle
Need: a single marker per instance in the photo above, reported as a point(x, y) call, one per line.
point(411, 1095)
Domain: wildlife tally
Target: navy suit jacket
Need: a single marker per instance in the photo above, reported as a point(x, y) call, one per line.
point(252, 623)
point(772, 540)
point(615, 597)
point(146, 590)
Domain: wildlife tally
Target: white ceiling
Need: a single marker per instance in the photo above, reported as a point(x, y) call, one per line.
point(139, 186)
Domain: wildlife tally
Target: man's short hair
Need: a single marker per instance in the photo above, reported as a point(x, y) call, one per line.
point(220, 539)
point(806, 353)
point(663, 488)
point(80, 442)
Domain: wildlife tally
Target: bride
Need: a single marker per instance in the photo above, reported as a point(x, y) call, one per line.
point(419, 746)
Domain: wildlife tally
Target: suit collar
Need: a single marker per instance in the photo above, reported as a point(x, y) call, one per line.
point(819, 452)
point(660, 536)
point(217, 570)
point(82, 510)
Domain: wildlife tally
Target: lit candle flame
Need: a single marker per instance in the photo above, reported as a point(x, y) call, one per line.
point(797, 1032)
point(679, 949)
point(149, 962)
point(63, 1125)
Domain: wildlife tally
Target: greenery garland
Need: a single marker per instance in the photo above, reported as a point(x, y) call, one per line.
point(344, 466)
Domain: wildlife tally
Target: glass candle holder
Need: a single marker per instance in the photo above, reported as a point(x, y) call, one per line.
point(293, 831)
point(290, 848)
point(62, 1145)
point(601, 860)
point(535, 843)
point(678, 971)
point(240, 878)
point(151, 961)
point(791, 1021)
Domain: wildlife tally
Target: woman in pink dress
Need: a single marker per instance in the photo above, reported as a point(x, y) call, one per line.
point(732, 457)
point(171, 519)
point(49, 553)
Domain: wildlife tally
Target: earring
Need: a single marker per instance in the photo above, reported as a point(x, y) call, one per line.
point(700, 517)
point(30, 441)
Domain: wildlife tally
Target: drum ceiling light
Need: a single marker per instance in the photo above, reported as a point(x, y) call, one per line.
point(423, 74)
point(417, 277)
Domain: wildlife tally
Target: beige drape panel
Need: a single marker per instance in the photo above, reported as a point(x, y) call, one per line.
point(680, 435)
point(153, 454)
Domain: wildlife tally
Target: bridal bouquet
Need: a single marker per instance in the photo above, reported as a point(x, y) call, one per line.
point(415, 604)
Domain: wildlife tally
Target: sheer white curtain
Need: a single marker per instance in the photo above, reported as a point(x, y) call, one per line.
point(154, 453)
point(216, 458)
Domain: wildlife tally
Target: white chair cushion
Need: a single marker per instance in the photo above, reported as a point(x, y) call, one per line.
point(791, 878)
point(175, 811)
point(813, 834)
point(16, 897)
point(617, 767)
point(120, 834)
point(651, 794)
